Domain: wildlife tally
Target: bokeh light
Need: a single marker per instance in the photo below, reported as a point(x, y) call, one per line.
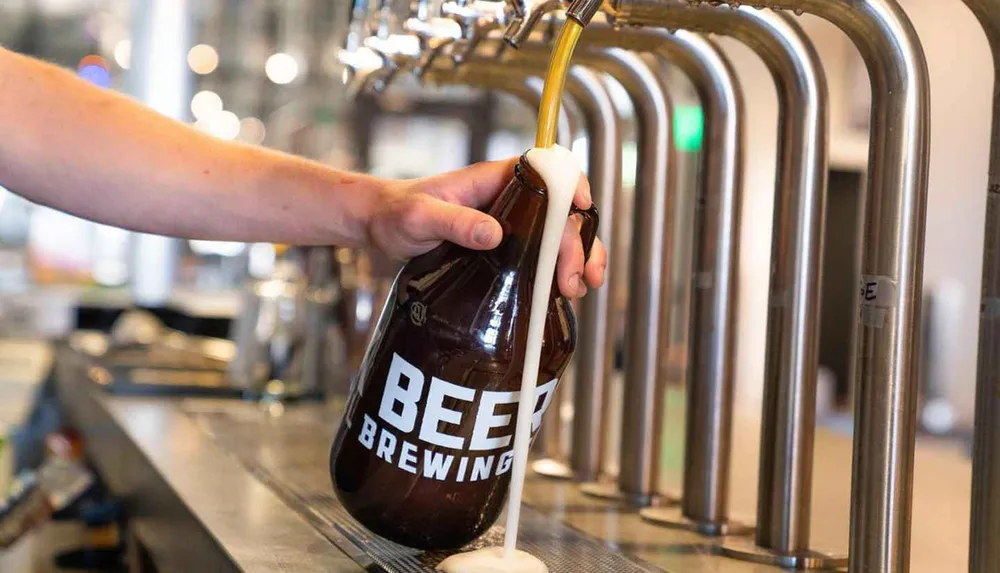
point(96, 75)
point(94, 69)
point(123, 53)
point(92, 60)
point(252, 130)
point(222, 124)
point(281, 68)
point(203, 59)
point(205, 103)
point(220, 248)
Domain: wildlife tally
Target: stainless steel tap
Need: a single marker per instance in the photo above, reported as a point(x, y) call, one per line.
point(710, 416)
point(704, 506)
point(655, 186)
point(790, 373)
point(525, 15)
point(892, 261)
point(476, 20)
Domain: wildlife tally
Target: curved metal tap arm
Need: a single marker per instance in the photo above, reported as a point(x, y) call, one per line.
point(793, 319)
point(892, 265)
point(715, 264)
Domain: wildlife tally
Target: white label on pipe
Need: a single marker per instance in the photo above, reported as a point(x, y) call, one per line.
point(877, 291)
point(876, 294)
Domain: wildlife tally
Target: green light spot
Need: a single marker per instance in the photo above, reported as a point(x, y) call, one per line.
point(324, 115)
point(689, 127)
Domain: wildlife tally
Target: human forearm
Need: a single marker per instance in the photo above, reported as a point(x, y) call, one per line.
point(104, 157)
point(101, 156)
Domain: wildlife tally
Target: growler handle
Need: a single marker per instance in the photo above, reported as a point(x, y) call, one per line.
point(588, 229)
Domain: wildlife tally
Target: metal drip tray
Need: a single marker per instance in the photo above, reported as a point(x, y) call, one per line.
point(180, 365)
point(290, 455)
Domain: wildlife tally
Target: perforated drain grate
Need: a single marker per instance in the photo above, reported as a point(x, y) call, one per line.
point(291, 456)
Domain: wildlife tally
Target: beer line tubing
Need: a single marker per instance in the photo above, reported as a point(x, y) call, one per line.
point(704, 504)
point(984, 551)
point(656, 155)
point(555, 80)
point(892, 263)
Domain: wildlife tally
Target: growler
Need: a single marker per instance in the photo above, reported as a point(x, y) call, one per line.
point(424, 452)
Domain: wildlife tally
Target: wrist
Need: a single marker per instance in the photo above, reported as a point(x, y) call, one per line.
point(369, 203)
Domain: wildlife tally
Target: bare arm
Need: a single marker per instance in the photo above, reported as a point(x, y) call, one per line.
point(104, 157)
point(101, 156)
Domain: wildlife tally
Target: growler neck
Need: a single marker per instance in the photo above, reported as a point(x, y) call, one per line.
point(521, 212)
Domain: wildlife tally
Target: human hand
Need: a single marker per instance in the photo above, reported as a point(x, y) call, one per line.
point(413, 217)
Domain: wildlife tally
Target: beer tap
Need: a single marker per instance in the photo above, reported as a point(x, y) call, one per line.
point(706, 477)
point(717, 234)
point(476, 20)
point(984, 553)
point(525, 15)
point(365, 69)
point(655, 185)
point(788, 423)
point(436, 37)
point(888, 333)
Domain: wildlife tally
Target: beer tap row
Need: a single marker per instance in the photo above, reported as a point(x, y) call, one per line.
point(504, 46)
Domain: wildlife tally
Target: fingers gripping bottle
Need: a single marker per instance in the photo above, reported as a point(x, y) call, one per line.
point(424, 451)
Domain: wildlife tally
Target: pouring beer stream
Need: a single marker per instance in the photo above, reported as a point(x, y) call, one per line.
point(561, 172)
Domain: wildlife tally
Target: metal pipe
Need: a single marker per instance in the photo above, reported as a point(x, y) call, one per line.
point(705, 509)
point(788, 422)
point(892, 264)
point(704, 506)
point(596, 343)
point(788, 419)
point(984, 551)
point(654, 187)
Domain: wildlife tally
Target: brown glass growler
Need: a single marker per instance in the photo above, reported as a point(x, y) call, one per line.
point(423, 456)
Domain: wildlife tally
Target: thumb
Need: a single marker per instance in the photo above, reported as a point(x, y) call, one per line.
point(436, 220)
point(474, 185)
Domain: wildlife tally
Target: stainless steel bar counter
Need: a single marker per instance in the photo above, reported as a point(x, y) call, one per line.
point(223, 485)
